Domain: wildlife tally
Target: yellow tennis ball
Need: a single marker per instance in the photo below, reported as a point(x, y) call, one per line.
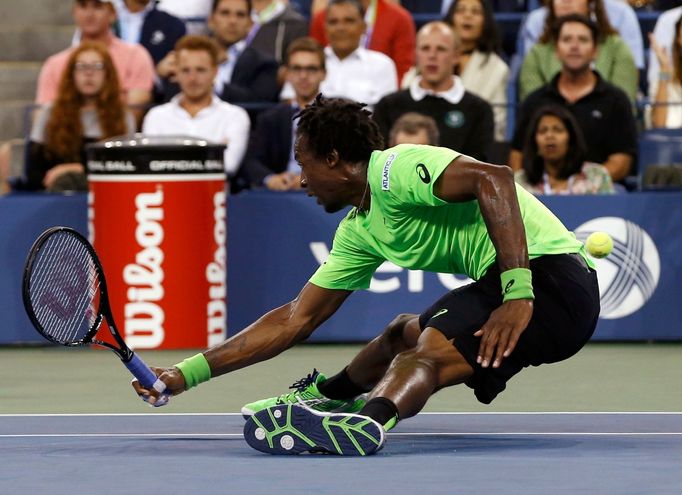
point(599, 244)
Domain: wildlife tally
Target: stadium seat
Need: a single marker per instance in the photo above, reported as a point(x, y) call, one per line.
point(659, 147)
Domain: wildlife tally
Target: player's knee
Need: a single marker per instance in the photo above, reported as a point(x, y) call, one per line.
point(442, 357)
point(402, 332)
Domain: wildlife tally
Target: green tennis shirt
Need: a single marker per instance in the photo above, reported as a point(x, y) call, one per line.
point(411, 227)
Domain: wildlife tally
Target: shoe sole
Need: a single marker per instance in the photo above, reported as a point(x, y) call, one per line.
point(290, 429)
point(247, 412)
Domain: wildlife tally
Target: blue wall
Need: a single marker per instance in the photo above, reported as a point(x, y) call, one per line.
point(276, 241)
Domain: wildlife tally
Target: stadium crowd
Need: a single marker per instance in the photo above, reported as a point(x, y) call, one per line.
point(565, 96)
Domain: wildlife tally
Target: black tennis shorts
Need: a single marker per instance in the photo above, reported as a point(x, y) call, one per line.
point(565, 313)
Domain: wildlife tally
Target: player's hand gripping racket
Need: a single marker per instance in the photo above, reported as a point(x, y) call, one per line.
point(65, 295)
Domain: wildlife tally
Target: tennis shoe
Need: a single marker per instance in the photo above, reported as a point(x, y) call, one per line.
point(290, 429)
point(305, 392)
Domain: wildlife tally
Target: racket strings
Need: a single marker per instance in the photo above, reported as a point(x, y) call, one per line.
point(65, 288)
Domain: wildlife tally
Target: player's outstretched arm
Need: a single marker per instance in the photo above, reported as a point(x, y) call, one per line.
point(493, 186)
point(267, 337)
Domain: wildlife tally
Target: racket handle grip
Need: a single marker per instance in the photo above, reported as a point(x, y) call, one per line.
point(141, 371)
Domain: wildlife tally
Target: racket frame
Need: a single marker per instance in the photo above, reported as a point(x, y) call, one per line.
point(103, 309)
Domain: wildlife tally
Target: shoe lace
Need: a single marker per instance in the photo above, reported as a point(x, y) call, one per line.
point(299, 386)
point(304, 383)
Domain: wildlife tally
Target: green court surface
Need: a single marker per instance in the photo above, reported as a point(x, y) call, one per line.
point(602, 377)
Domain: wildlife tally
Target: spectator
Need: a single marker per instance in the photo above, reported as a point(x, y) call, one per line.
point(354, 72)
point(618, 13)
point(271, 161)
point(666, 90)
point(196, 111)
point(133, 64)
point(413, 128)
point(276, 25)
point(465, 121)
point(389, 30)
point(664, 34)
point(140, 21)
point(602, 110)
point(554, 157)
point(613, 61)
point(87, 108)
point(481, 69)
point(247, 75)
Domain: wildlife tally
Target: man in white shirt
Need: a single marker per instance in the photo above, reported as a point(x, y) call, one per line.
point(196, 111)
point(354, 72)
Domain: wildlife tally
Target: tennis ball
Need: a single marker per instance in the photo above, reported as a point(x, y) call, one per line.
point(599, 244)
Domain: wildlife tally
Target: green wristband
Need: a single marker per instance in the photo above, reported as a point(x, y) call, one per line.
point(195, 370)
point(517, 284)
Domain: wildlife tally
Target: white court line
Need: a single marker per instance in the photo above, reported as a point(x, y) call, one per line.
point(482, 413)
point(413, 434)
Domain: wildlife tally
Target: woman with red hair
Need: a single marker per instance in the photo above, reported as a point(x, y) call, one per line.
point(88, 108)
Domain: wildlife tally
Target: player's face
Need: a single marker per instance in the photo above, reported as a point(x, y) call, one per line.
point(305, 73)
point(345, 27)
point(89, 73)
point(436, 55)
point(318, 178)
point(231, 21)
point(552, 138)
point(575, 47)
point(195, 73)
point(565, 7)
point(93, 18)
point(468, 20)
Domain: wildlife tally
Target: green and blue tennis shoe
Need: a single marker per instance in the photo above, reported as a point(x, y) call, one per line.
point(288, 429)
point(307, 394)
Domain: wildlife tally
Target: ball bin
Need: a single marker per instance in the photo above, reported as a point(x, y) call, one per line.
point(157, 219)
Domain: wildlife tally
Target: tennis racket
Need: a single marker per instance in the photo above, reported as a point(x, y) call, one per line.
point(65, 296)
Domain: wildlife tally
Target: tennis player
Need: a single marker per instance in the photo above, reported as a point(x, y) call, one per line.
point(535, 298)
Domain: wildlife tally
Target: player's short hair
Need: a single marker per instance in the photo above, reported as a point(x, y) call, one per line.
point(343, 125)
point(306, 44)
point(412, 123)
point(200, 43)
point(355, 3)
point(582, 19)
point(217, 2)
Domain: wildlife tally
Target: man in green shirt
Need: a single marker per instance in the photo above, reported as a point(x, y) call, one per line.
point(535, 297)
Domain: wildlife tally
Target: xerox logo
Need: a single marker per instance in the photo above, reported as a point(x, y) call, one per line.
point(629, 275)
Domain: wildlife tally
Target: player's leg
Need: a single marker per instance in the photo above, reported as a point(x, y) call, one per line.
point(565, 313)
point(370, 364)
point(340, 392)
point(415, 374)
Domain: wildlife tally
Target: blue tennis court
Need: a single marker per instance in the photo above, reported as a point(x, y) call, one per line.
point(525, 453)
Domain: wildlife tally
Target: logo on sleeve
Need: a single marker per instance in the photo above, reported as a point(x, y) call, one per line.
point(508, 287)
point(423, 173)
point(440, 312)
point(386, 172)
